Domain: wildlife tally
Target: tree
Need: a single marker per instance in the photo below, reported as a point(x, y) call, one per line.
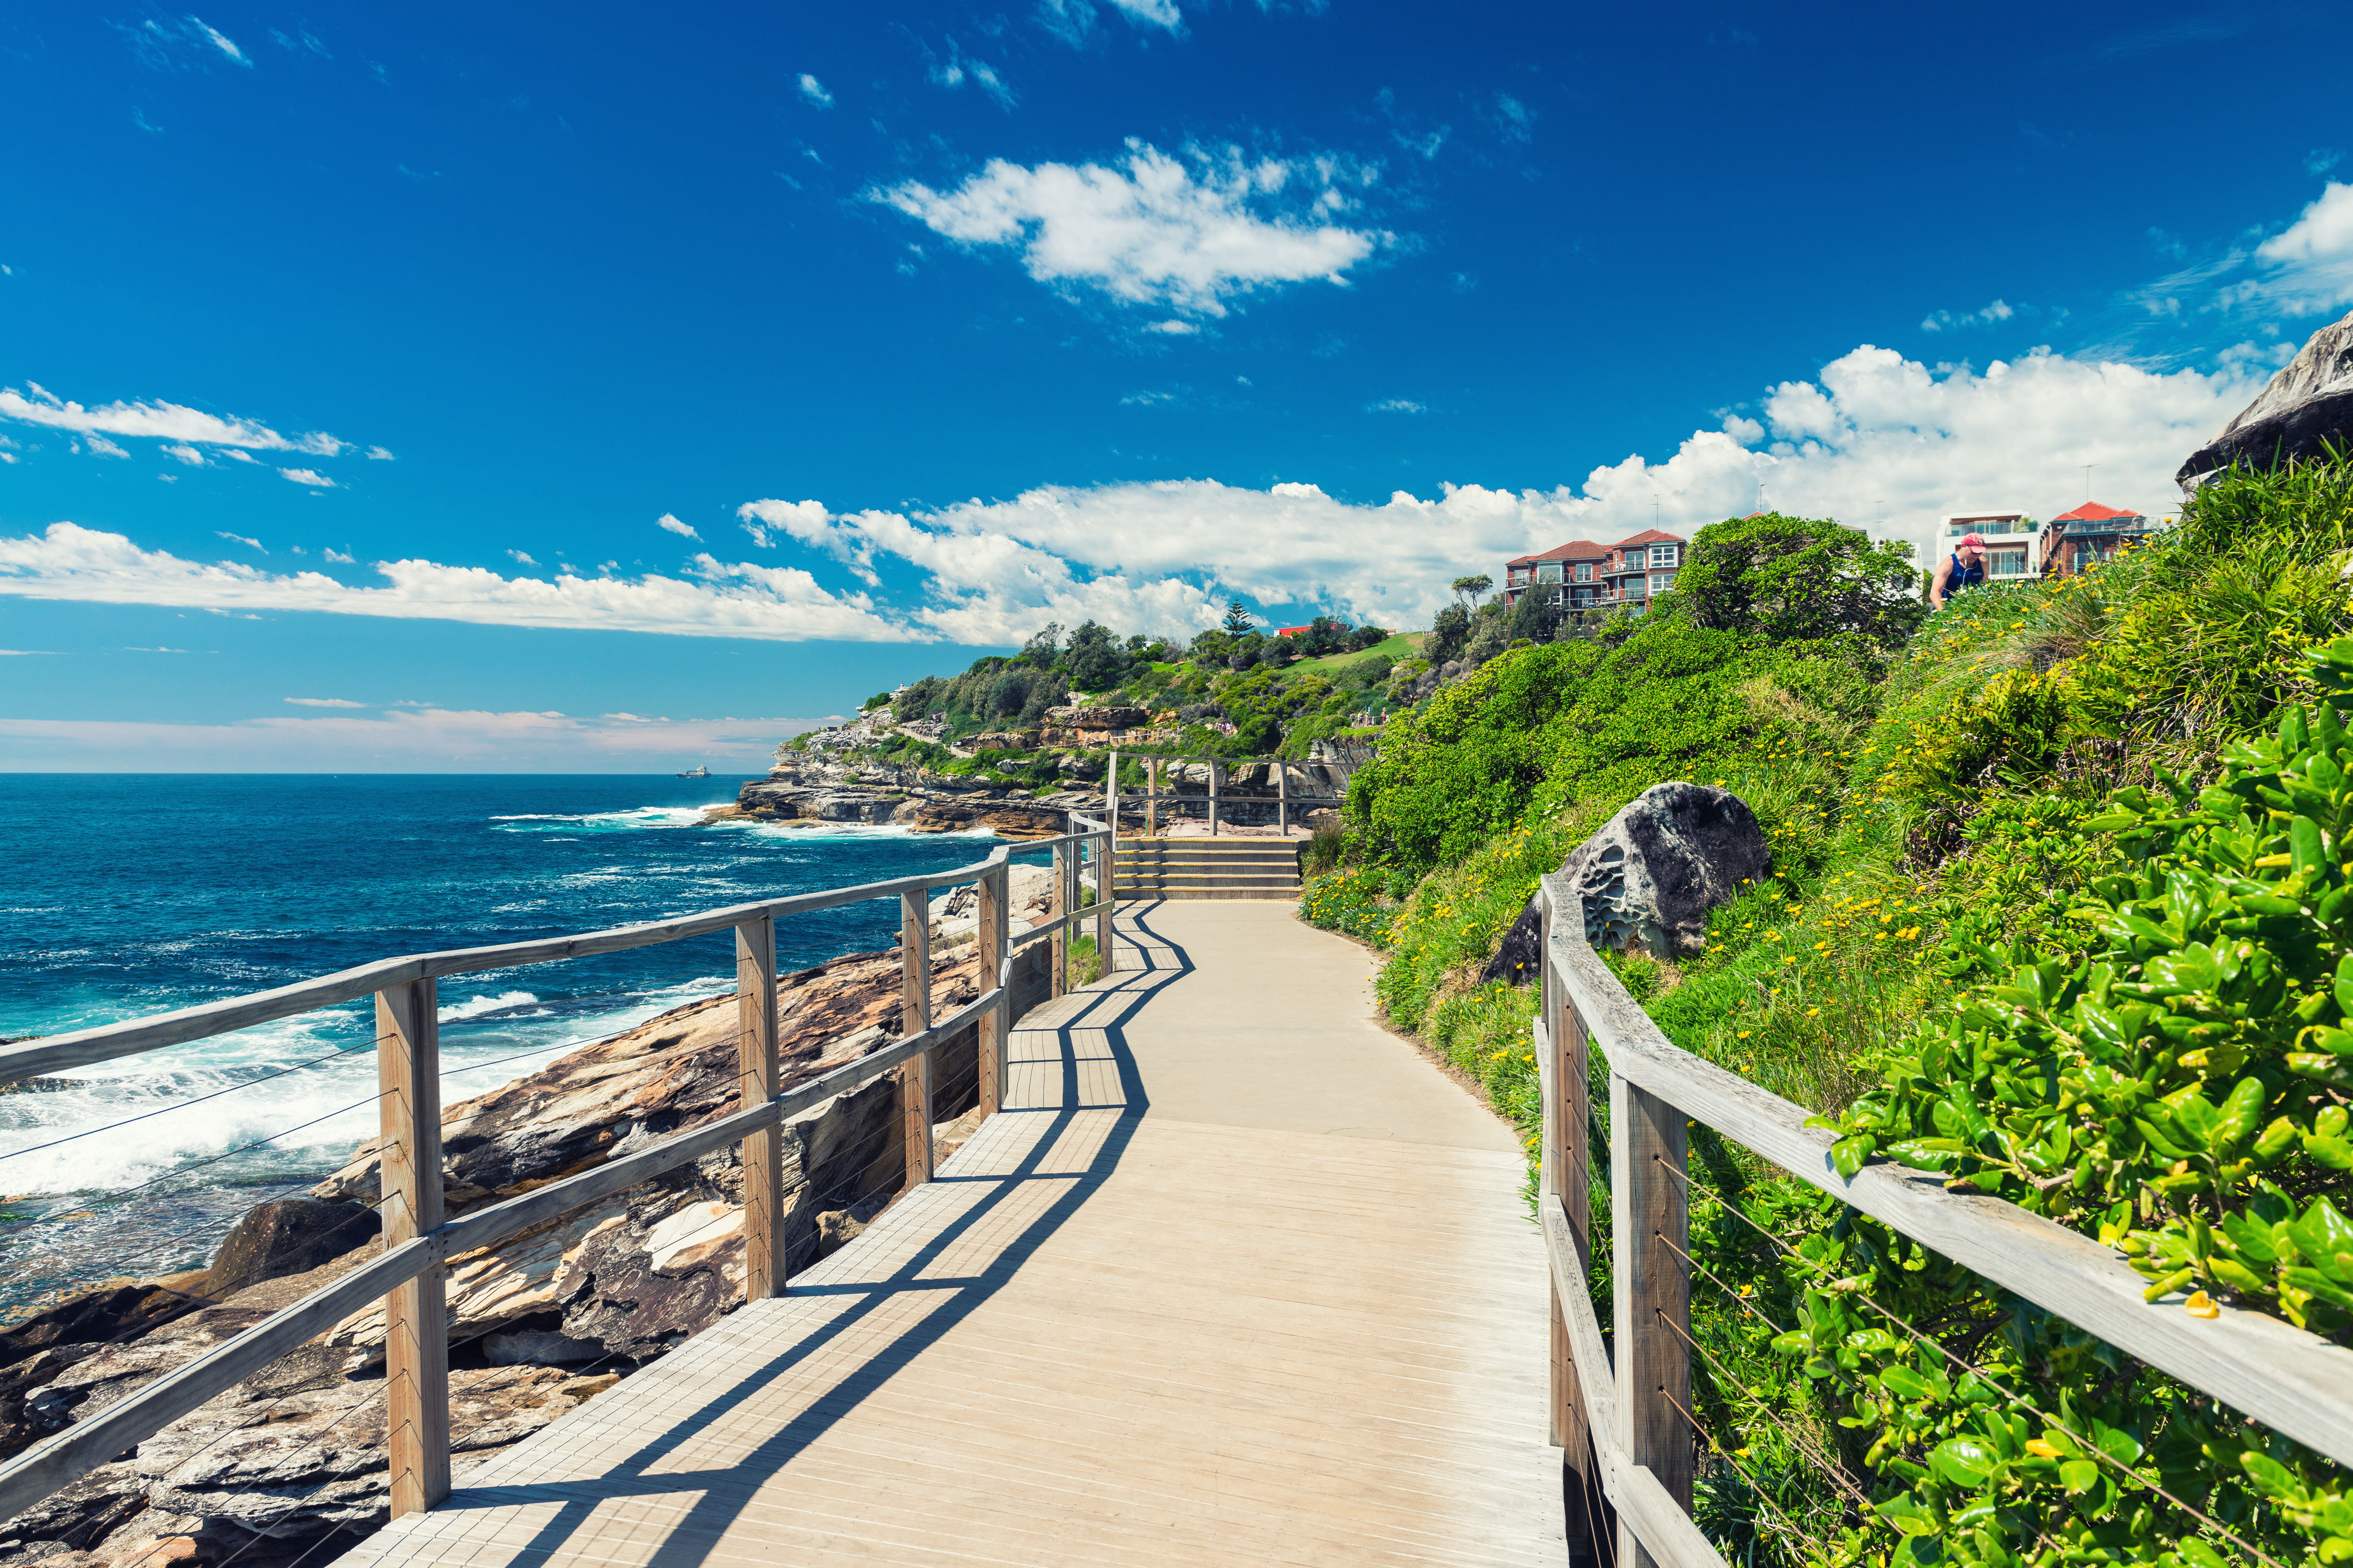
point(1796, 577)
point(1238, 620)
point(1097, 661)
point(1467, 589)
point(1045, 647)
point(1448, 633)
point(1530, 617)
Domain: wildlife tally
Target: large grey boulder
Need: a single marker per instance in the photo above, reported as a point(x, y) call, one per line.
point(2307, 404)
point(1648, 877)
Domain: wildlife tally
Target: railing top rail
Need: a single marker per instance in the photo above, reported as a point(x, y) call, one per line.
point(56, 1053)
point(2294, 1382)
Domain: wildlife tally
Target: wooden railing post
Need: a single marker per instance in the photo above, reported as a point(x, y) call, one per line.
point(914, 1017)
point(765, 1263)
point(416, 1315)
point(995, 1024)
point(1111, 799)
point(1282, 799)
point(1216, 772)
point(1152, 797)
point(1059, 967)
point(1648, 1209)
point(1104, 903)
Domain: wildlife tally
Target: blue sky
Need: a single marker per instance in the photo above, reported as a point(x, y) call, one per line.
point(611, 390)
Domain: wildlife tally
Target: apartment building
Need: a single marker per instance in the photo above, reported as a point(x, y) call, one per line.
point(2089, 534)
point(2009, 544)
point(1566, 577)
point(1583, 575)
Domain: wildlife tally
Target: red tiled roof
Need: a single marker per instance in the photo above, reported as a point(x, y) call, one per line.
point(2091, 511)
point(1649, 536)
point(1290, 631)
point(1575, 550)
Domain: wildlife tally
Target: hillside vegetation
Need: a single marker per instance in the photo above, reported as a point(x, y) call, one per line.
point(2060, 908)
point(1233, 691)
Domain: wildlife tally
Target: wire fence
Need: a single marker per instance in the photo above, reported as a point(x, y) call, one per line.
point(848, 1180)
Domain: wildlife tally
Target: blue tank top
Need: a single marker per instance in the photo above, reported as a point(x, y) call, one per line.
point(1961, 576)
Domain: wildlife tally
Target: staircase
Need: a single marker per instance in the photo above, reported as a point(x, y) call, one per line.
point(1207, 869)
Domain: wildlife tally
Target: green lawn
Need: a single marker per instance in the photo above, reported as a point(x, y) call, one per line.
point(1404, 645)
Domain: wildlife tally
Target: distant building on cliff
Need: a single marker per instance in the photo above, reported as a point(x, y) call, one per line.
point(2009, 543)
point(1583, 575)
point(2089, 534)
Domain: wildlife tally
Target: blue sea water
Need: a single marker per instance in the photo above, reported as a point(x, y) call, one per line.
point(126, 895)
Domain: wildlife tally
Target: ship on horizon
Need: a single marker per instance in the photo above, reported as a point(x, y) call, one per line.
point(696, 773)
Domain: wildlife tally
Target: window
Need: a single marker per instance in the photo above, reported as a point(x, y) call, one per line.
point(2006, 563)
point(1518, 576)
point(1585, 571)
point(1663, 555)
point(1661, 581)
point(1549, 572)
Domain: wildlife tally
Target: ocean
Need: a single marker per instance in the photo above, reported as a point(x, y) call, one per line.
point(124, 895)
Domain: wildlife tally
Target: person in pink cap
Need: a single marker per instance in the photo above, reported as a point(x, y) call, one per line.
point(1964, 568)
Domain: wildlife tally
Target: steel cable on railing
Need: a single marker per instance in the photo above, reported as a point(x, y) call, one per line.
point(2091, 1449)
point(1805, 1445)
point(1796, 1536)
point(582, 1371)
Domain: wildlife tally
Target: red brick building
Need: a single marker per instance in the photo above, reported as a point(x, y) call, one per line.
point(2091, 533)
point(1583, 575)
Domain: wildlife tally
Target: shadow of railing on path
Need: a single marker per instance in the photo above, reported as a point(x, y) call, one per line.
point(1105, 1009)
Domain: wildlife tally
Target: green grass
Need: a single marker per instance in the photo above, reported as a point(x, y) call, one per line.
point(1404, 645)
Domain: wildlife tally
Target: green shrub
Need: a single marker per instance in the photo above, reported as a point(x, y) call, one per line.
point(1351, 901)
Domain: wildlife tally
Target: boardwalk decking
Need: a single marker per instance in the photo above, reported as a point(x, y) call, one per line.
point(1235, 1277)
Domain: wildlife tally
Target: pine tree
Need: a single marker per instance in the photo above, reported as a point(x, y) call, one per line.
point(1238, 620)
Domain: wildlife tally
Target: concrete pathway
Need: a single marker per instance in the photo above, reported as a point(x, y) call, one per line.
point(1235, 1277)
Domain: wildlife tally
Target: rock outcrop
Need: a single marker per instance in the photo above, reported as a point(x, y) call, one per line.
point(2307, 406)
point(1649, 877)
point(287, 1235)
point(818, 792)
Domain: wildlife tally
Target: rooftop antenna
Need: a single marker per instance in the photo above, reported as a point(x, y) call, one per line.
point(2087, 481)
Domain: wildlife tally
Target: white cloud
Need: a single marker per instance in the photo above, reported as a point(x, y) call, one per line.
point(814, 90)
point(2313, 256)
point(805, 521)
point(1399, 405)
point(1147, 399)
point(740, 600)
point(1876, 440)
point(100, 446)
point(1155, 230)
point(1175, 329)
point(26, 652)
point(378, 454)
point(1516, 120)
point(414, 739)
point(670, 524)
point(164, 421)
point(335, 555)
point(188, 455)
point(240, 539)
point(1949, 322)
point(1154, 12)
point(220, 41)
point(520, 558)
point(240, 453)
point(310, 477)
point(324, 703)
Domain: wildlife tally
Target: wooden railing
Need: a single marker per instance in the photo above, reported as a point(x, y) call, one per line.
point(1625, 1426)
point(1152, 797)
point(420, 1238)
